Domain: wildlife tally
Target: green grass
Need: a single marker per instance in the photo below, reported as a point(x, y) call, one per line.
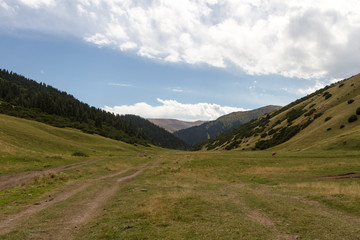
point(236, 196)
point(187, 195)
point(27, 145)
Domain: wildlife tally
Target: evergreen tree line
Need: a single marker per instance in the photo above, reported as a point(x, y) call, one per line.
point(157, 135)
point(22, 97)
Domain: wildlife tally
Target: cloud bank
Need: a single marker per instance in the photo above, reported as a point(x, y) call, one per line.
point(175, 110)
point(303, 39)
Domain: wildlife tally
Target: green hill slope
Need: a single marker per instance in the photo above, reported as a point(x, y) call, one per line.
point(159, 136)
point(25, 98)
point(321, 119)
point(30, 145)
point(225, 123)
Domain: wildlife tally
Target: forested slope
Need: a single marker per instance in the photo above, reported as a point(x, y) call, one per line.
point(25, 98)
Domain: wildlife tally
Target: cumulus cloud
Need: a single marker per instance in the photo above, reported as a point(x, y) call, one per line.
point(303, 39)
point(311, 89)
point(175, 110)
point(38, 3)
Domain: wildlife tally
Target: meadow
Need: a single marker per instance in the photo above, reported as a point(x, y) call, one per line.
point(123, 191)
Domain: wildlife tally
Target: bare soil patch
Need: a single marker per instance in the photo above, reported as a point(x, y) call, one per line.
point(349, 175)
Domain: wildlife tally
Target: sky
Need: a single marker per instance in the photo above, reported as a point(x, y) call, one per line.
point(189, 59)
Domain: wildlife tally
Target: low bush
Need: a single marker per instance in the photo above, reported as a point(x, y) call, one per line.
point(350, 101)
point(310, 112)
point(318, 115)
point(327, 95)
point(327, 119)
point(294, 114)
point(352, 118)
point(79, 154)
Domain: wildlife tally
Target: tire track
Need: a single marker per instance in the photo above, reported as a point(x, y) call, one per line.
point(88, 207)
point(15, 179)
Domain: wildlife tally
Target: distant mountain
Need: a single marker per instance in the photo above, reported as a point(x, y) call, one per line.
point(326, 119)
point(25, 98)
point(158, 135)
point(225, 123)
point(173, 125)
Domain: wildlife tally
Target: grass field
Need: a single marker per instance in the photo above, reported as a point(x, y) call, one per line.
point(131, 192)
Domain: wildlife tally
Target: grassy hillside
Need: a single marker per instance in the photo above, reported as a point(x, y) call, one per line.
point(28, 145)
point(225, 123)
point(321, 119)
point(124, 191)
point(25, 98)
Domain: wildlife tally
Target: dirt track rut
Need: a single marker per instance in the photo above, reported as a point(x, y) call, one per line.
point(15, 179)
point(97, 192)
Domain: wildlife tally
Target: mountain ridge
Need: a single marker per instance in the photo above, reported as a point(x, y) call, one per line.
point(173, 125)
point(208, 130)
point(325, 119)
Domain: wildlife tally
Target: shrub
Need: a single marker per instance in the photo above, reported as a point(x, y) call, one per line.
point(318, 115)
point(327, 95)
point(341, 85)
point(306, 124)
point(272, 131)
point(328, 129)
point(352, 118)
point(312, 105)
point(79, 154)
point(294, 114)
point(350, 101)
point(310, 112)
point(342, 126)
point(358, 111)
point(263, 135)
point(327, 119)
point(282, 136)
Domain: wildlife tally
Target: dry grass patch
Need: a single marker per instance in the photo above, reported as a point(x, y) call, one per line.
point(161, 206)
point(352, 190)
point(49, 177)
point(274, 170)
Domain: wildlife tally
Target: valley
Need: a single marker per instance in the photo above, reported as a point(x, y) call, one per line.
point(293, 173)
point(179, 120)
point(138, 192)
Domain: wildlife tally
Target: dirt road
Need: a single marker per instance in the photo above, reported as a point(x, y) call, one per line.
point(80, 202)
point(15, 179)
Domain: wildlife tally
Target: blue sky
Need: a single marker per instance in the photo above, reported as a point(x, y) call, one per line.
point(195, 60)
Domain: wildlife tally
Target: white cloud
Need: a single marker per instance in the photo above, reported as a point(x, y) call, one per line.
point(120, 84)
point(311, 89)
point(303, 39)
point(175, 110)
point(179, 90)
point(4, 5)
point(38, 3)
